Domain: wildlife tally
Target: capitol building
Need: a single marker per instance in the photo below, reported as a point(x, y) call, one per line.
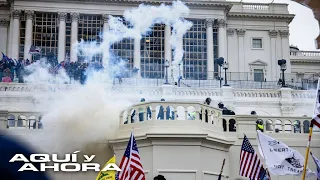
point(251, 37)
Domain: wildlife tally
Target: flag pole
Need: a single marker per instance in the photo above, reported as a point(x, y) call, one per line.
point(315, 111)
point(264, 157)
point(307, 153)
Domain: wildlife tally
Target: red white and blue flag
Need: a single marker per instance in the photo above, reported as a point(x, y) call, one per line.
point(250, 164)
point(55, 70)
point(131, 167)
point(35, 50)
point(316, 118)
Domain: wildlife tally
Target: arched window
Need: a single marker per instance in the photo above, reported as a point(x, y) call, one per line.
point(11, 120)
point(224, 124)
point(259, 121)
point(269, 126)
point(297, 126)
point(32, 120)
point(21, 121)
point(278, 126)
point(306, 125)
point(287, 126)
point(232, 125)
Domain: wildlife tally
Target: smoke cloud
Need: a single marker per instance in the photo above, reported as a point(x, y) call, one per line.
point(89, 114)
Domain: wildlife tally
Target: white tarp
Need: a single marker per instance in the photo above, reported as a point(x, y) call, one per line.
point(279, 158)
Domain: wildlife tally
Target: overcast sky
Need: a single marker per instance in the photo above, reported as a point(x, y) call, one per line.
point(304, 29)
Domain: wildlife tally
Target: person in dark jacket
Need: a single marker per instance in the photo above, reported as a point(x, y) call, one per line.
point(206, 102)
point(161, 112)
point(159, 177)
point(9, 171)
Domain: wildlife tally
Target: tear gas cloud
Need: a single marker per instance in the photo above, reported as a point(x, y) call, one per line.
point(88, 113)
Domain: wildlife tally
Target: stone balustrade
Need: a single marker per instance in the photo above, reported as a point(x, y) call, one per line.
point(167, 111)
point(170, 111)
point(272, 124)
point(162, 91)
point(305, 53)
point(20, 120)
point(260, 8)
point(212, 117)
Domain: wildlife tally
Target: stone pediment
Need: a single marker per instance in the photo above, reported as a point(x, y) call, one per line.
point(258, 62)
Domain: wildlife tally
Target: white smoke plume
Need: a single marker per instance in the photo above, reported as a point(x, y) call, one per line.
point(142, 19)
point(39, 72)
point(76, 118)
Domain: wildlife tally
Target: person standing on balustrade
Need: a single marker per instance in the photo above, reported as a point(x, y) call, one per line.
point(161, 111)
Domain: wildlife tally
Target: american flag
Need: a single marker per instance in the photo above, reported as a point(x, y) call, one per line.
point(250, 164)
point(55, 70)
point(316, 120)
point(131, 167)
point(35, 50)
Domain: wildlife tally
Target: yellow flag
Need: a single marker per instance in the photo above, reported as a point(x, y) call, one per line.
point(107, 175)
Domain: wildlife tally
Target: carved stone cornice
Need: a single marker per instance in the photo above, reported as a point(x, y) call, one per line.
point(230, 32)
point(241, 32)
point(284, 33)
point(264, 17)
point(75, 16)
point(221, 23)
point(105, 18)
point(4, 23)
point(16, 13)
point(209, 22)
point(62, 16)
point(29, 14)
point(273, 33)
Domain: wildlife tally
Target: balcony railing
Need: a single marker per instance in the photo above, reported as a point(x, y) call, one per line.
point(275, 8)
point(156, 92)
point(305, 53)
point(176, 113)
point(20, 120)
point(187, 111)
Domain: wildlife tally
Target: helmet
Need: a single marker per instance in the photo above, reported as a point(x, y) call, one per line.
point(259, 121)
point(142, 100)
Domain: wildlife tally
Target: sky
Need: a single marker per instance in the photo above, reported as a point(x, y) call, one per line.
point(304, 28)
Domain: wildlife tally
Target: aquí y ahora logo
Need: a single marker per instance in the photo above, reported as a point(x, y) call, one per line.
point(68, 164)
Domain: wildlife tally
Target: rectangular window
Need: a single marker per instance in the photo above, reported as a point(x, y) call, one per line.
point(258, 75)
point(257, 43)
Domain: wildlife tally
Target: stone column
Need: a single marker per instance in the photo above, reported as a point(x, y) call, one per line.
point(241, 59)
point(222, 38)
point(74, 36)
point(9, 44)
point(3, 120)
point(136, 55)
point(284, 34)
point(62, 36)
point(167, 44)
point(232, 54)
point(4, 33)
point(210, 60)
point(105, 53)
point(274, 68)
point(15, 34)
point(28, 34)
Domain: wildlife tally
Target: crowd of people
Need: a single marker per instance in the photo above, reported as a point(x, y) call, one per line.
point(12, 70)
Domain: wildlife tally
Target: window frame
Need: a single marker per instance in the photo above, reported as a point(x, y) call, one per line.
point(257, 38)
